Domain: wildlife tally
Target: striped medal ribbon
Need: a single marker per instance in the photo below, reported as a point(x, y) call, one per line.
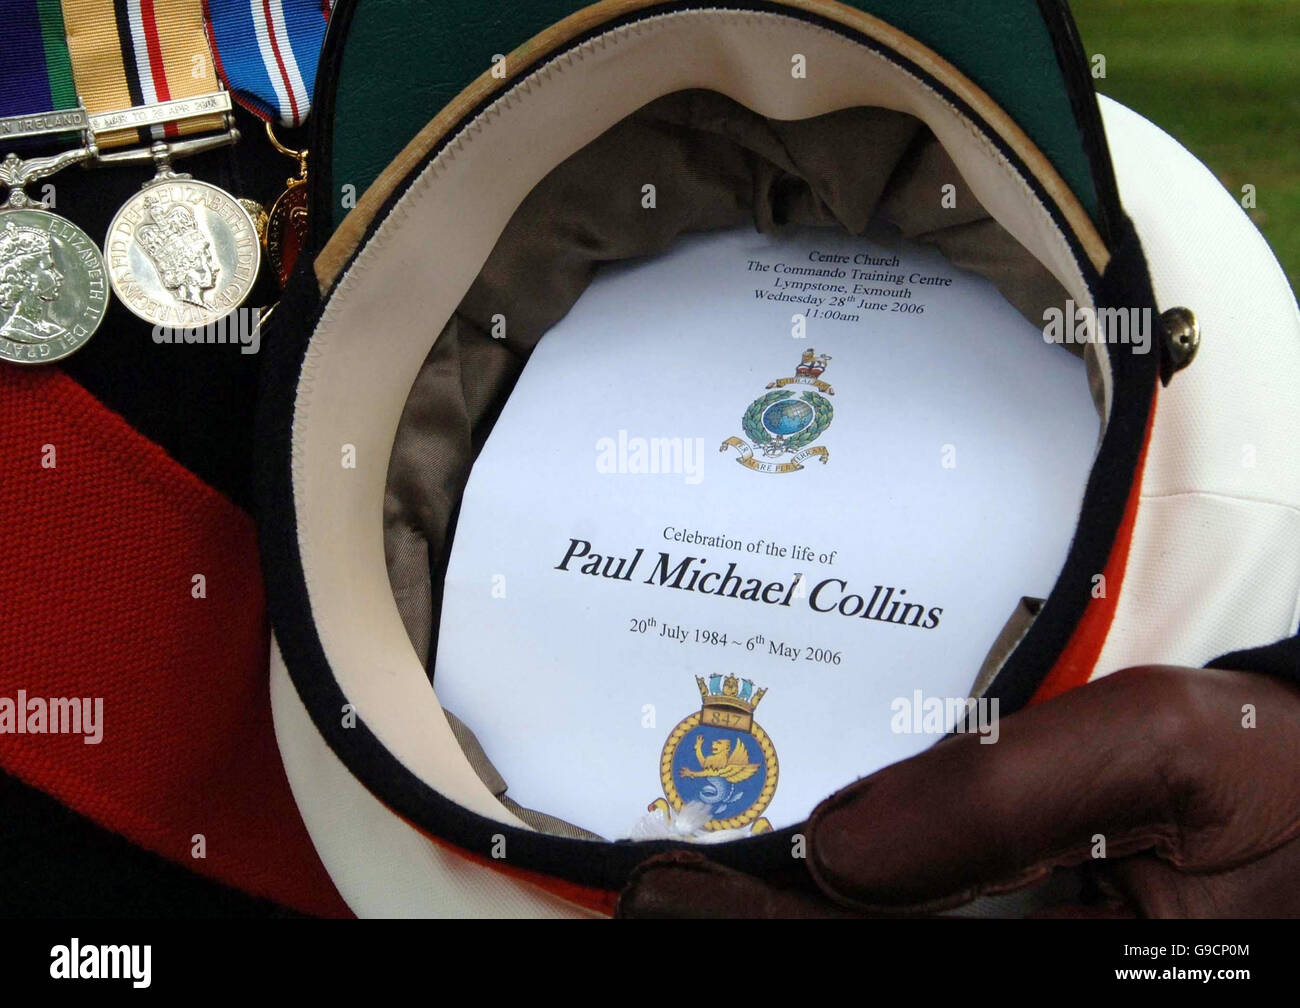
point(143, 70)
point(36, 92)
point(53, 285)
point(267, 52)
point(181, 253)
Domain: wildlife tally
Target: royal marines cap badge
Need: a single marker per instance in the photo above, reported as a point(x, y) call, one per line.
point(786, 422)
point(720, 760)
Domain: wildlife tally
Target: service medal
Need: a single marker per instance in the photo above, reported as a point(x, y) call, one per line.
point(182, 253)
point(53, 286)
point(286, 229)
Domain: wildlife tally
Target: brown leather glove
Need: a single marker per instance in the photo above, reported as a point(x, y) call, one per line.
point(1200, 812)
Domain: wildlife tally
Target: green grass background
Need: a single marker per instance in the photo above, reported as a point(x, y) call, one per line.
point(1223, 76)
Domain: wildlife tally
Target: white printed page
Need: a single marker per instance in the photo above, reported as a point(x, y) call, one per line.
point(754, 508)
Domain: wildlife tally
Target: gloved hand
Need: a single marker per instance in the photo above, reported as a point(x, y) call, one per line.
point(1199, 810)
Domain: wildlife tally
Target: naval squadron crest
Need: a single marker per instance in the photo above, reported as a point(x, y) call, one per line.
point(782, 425)
point(719, 761)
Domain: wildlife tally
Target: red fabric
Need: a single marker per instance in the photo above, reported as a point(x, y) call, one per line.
point(1077, 662)
point(96, 561)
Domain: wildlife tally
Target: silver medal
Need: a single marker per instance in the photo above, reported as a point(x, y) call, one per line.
point(53, 284)
point(182, 253)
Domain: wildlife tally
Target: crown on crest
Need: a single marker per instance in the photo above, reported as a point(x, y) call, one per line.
point(812, 364)
point(729, 694)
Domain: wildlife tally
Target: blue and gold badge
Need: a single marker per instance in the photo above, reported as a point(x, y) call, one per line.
point(720, 758)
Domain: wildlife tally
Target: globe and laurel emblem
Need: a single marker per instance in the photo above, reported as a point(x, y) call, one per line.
point(782, 425)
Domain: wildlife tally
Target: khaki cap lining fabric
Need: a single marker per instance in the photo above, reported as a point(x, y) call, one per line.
point(715, 165)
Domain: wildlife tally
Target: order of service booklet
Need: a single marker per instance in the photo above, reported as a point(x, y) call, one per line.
point(755, 508)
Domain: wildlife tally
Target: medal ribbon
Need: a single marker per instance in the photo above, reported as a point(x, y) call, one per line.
point(35, 74)
point(267, 52)
point(128, 53)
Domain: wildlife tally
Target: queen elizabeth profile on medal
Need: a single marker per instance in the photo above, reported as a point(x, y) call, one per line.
point(179, 251)
point(29, 282)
